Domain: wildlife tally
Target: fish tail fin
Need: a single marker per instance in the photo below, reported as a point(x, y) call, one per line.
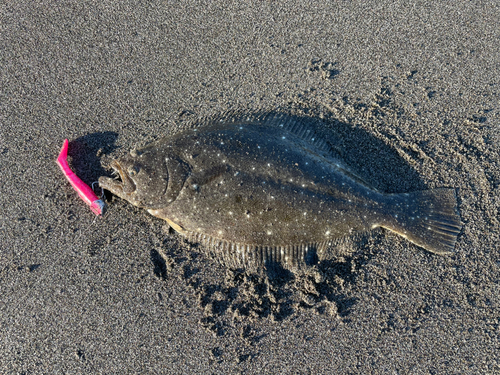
point(427, 218)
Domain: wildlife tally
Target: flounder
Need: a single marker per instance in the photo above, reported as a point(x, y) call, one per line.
point(257, 190)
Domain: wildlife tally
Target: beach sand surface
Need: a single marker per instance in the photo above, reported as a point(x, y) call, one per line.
point(408, 95)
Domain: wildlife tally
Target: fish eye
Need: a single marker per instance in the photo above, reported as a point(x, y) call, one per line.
point(133, 170)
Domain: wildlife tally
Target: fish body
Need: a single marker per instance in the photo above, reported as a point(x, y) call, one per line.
point(266, 189)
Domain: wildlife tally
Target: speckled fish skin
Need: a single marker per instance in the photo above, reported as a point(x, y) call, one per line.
point(266, 189)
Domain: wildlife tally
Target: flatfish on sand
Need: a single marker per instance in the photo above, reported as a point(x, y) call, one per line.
point(258, 190)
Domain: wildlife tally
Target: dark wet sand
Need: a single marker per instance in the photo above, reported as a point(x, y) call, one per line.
point(409, 95)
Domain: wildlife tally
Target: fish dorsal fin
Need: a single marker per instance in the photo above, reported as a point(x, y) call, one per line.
point(300, 126)
point(305, 128)
point(297, 126)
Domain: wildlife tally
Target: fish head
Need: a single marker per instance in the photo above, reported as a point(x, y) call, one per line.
point(141, 178)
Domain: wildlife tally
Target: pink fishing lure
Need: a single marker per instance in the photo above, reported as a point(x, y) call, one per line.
point(84, 191)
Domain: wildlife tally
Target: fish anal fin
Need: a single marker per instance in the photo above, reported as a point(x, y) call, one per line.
point(255, 257)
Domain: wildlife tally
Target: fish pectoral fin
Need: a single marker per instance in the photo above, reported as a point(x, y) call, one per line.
point(175, 226)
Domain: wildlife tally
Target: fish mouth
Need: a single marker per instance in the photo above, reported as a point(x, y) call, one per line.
point(121, 185)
